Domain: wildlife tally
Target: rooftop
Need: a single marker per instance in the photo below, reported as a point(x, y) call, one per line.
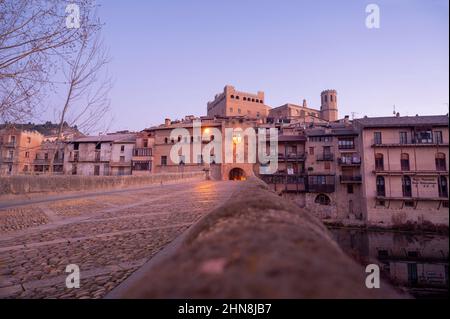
point(399, 121)
point(115, 138)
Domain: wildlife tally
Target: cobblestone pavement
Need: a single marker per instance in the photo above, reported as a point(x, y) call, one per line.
point(108, 236)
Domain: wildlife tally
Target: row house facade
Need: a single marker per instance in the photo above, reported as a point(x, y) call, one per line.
point(319, 168)
point(18, 149)
point(103, 155)
point(212, 128)
point(405, 169)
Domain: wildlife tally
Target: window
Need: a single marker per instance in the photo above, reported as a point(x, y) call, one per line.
point(76, 146)
point(231, 110)
point(438, 137)
point(327, 165)
point(74, 170)
point(25, 168)
point(424, 137)
point(443, 188)
point(257, 114)
point(98, 146)
point(122, 148)
point(232, 96)
point(311, 151)
point(27, 154)
point(380, 203)
point(381, 191)
point(379, 162)
point(346, 143)
point(403, 137)
point(349, 189)
point(28, 140)
point(46, 156)
point(404, 162)
point(163, 160)
point(245, 99)
point(237, 97)
point(406, 186)
point(166, 140)
point(409, 203)
point(122, 159)
point(322, 199)
point(440, 162)
point(179, 138)
point(377, 138)
point(96, 170)
point(145, 143)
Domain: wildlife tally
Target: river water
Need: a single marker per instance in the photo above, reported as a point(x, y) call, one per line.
point(417, 263)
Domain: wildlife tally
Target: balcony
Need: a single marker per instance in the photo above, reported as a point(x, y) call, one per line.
point(142, 152)
point(355, 179)
point(418, 172)
point(292, 156)
point(8, 144)
point(120, 163)
point(409, 199)
point(409, 143)
point(287, 182)
point(349, 161)
point(321, 188)
point(326, 157)
point(43, 161)
point(8, 159)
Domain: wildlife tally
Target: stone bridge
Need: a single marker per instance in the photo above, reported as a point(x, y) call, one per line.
point(186, 239)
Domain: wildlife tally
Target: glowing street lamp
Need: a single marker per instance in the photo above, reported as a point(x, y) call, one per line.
point(237, 138)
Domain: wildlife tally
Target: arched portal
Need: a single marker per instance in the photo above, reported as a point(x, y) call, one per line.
point(237, 174)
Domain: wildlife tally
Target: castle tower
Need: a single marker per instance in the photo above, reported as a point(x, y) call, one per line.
point(328, 108)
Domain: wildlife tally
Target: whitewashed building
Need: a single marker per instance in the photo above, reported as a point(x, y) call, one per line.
point(103, 155)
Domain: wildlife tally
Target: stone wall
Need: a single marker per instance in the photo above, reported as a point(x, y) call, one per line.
point(257, 245)
point(24, 184)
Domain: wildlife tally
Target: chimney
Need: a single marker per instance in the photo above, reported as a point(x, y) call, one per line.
point(346, 119)
point(397, 114)
point(167, 122)
point(304, 103)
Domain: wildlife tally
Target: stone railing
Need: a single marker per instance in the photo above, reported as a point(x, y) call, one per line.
point(257, 245)
point(26, 184)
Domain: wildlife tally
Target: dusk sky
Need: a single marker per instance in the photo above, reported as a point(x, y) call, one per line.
point(170, 57)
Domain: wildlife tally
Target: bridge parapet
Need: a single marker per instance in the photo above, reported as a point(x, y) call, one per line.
point(256, 245)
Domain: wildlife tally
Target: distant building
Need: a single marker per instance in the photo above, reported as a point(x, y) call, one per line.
point(216, 168)
point(142, 159)
point(18, 150)
point(103, 155)
point(235, 103)
point(49, 158)
point(293, 113)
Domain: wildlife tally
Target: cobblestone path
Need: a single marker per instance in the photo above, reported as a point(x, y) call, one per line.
point(108, 236)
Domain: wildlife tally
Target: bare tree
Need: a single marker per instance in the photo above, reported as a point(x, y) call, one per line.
point(86, 86)
point(33, 36)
